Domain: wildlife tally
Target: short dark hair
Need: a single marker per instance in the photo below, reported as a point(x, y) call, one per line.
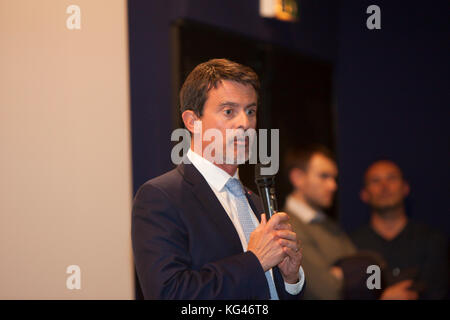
point(395, 164)
point(207, 75)
point(299, 157)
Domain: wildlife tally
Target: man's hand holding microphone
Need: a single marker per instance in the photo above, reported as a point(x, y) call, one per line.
point(275, 244)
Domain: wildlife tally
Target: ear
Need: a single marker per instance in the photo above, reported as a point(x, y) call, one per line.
point(189, 117)
point(364, 195)
point(406, 189)
point(296, 177)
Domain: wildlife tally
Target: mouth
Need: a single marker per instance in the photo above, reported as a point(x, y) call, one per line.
point(241, 146)
point(240, 141)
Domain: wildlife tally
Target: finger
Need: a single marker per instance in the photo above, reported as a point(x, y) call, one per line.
point(283, 226)
point(279, 217)
point(412, 295)
point(288, 243)
point(263, 219)
point(286, 234)
point(295, 255)
point(405, 283)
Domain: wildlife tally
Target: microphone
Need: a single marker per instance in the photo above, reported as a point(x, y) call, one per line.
point(266, 188)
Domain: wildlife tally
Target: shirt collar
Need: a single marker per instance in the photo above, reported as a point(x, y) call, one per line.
point(304, 212)
point(214, 176)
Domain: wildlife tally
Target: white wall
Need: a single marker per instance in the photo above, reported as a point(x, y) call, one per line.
point(65, 155)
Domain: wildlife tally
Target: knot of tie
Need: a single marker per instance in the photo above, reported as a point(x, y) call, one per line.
point(235, 187)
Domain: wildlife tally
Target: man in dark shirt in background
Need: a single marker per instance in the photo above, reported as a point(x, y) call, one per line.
point(415, 254)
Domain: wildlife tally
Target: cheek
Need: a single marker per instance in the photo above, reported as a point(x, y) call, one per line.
point(325, 188)
point(391, 187)
point(211, 122)
point(316, 188)
point(370, 192)
point(399, 191)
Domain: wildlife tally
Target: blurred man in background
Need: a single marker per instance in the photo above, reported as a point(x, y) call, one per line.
point(416, 256)
point(335, 267)
point(312, 172)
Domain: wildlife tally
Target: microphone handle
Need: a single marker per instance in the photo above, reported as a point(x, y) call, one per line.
point(269, 201)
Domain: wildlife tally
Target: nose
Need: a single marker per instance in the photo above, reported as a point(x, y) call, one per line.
point(333, 184)
point(243, 122)
point(384, 184)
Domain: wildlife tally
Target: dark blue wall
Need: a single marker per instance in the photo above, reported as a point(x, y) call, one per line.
point(393, 101)
point(391, 87)
point(150, 55)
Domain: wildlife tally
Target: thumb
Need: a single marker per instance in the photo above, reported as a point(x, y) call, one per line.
point(263, 219)
point(405, 284)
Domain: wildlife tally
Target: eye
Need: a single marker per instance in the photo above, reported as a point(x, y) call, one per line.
point(325, 176)
point(251, 112)
point(228, 112)
point(393, 178)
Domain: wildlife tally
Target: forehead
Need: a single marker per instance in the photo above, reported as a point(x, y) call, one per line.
point(227, 89)
point(319, 162)
point(382, 168)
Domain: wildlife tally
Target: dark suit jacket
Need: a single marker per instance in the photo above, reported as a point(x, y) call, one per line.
point(186, 247)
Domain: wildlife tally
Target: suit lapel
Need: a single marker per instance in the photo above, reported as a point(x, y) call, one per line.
point(254, 202)
point(212, 206)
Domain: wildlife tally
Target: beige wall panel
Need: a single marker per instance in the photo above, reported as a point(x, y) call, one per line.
point(65, 157)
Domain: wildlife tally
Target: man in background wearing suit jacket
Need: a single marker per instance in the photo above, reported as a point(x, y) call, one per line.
point(197, 233)
point(312, 172)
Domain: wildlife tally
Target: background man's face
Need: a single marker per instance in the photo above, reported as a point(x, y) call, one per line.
point(319, 181)
point(230, 106)
point(384, 186)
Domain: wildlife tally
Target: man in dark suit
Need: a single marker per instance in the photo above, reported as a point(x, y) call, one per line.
point(197, 232)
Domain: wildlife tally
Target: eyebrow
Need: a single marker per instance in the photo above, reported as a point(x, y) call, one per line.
point(234, 104)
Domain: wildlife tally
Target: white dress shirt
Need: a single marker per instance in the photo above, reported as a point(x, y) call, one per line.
point(217, 179)
point(302, 211)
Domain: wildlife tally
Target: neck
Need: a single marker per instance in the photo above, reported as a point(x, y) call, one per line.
point(389, 223)
point(228, 168)
point(298, 195)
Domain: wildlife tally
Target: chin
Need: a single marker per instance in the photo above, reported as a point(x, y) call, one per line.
point(322, 205)
point(236, 161)
point(383, 207)
point(327, 205)
point(239, 152)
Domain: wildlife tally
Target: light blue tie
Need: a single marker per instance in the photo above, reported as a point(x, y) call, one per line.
point(245, 218)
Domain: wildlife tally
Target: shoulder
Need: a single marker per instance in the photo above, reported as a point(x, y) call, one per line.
point(362, 230)
point(424, 231)
point(295, 221)
point(361, 234)
point(300, 228)
point(160, 199)
point(166, 184)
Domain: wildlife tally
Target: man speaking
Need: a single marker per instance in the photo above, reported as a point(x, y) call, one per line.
point(197, 232)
